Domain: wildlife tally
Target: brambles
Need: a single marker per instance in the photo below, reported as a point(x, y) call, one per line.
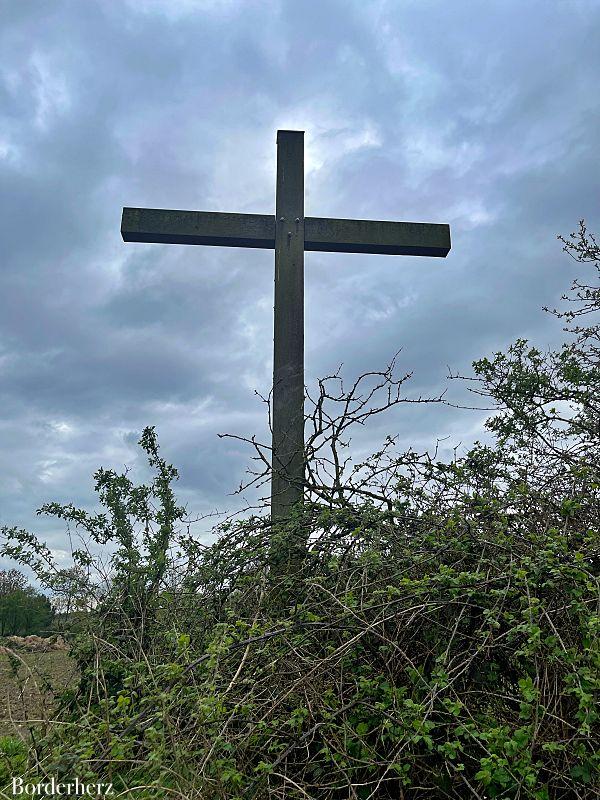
point(438, 639)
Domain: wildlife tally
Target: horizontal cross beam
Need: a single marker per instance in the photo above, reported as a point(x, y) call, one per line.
point(258, 230)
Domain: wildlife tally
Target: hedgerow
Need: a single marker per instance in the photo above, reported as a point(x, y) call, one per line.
point(433, 632)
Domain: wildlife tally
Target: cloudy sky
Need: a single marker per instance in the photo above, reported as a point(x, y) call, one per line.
point(483, 115)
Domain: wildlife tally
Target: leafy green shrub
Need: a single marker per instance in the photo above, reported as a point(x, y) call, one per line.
point(438, 638)
point(13, 758)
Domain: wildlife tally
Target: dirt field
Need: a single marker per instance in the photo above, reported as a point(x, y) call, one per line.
point(28, 694)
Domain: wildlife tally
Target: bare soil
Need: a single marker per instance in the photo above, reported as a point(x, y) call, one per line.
point(30, 684)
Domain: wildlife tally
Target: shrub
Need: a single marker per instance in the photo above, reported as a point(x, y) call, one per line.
point(434, 636)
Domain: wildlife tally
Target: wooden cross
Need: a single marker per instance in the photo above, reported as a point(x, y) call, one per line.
point(290, 234)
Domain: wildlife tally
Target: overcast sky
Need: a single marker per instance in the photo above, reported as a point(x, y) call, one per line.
point(482, 115)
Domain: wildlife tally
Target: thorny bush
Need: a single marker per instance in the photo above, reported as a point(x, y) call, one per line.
point(438, 638)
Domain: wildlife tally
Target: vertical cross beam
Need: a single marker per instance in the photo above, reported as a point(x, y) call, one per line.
point(288, 352)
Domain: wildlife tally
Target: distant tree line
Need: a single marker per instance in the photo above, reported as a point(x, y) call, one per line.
point(23, 610)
